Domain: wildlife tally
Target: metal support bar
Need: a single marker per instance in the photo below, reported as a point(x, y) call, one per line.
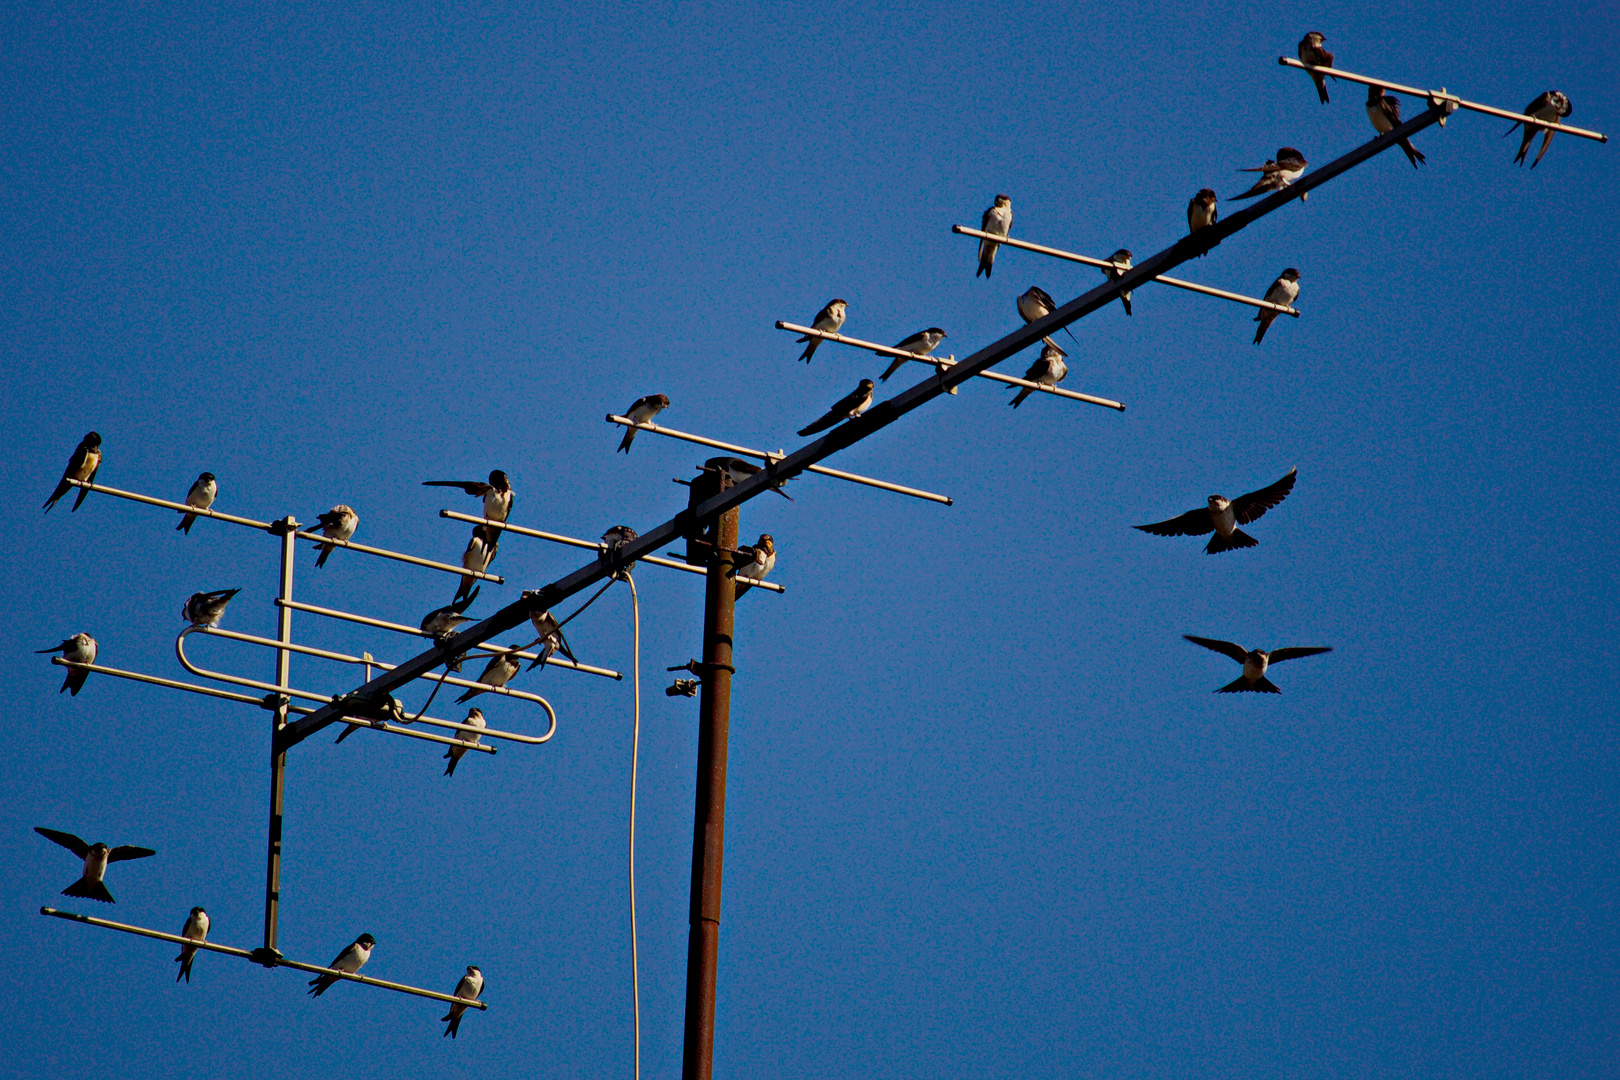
point(1069, 256)
point(153, 680)
point(570, 541)
point(287, 531)
point(400, 557)
point(1442, 96)
point(937, 362)
point(232, 519)
point(874, 419)
point(208, 946)
point(743, 451)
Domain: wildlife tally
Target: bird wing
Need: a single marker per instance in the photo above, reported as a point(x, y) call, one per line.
point(1225, 648)
point(67, 840)
point(125, 851)
point(471, 487)
point(1253, 506)
point(1277, 656)
point(1192, 523)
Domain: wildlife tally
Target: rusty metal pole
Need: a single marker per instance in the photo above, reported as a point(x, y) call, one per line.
point(709, 819)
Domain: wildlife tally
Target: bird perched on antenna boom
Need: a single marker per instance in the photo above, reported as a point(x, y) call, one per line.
point(847, 407)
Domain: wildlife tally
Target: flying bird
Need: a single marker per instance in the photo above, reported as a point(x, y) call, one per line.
point(1385, 113)
point(78, 649)
point(922, 343)
point(1223, 516)
point(551, 640)
point(497, 494)
point(207, 608)
point(848, 407)
point(497, 673)
point(761, 560)
point(1036, 304)
point(86, 461)
point(1255, 662)
point(470, 986)
point(1048, 370)
point(827, 320)
point(1123, 258)
point(1311, 52)
point(196, 929)
point(1201, 210)
point(337, 523)
point(1283, 292)
point(204, 490)
point(349, 961)
point(642, 410)
point(1276, 175)
point(481, 551)
point(997, 220)
point(740, 470)
point(1552, 106)
point(475, 718)
point(96, 857)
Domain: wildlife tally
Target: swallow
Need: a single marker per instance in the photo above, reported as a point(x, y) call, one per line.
point(1283, 292)
point(497, 673)
point(614, 539)
point(475, 718)
point(1552, 106)
point(827, 320)
point(1223, 516)
point(497, 494)
point(196, 929)
point(207, 608)
point(847, 407)
point(337, 523)
point(349, 961)
point(86, 461)
point(1037, 304)
point(1311, 52)
point(78, 649)
point(1201, 210)
point(642, 410)
point(922, 343)
point(440, 623)
point(551, 640)
point(1276, 175)
point(1123, 258)
point(740, 470)
point(1048, 370)
point(998, 220)
point(1385, 113)
point(761, 560)
point(204, 490)
point(1255, 662)
point(481, 551)
point(96, 858)
point(470, 986)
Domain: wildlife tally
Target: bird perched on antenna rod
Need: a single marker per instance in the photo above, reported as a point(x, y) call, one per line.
point(1047, 370)
point(78, 649)
point(641, 411)
point(207, 608)
point(1283, 292)
point(1385, 113)
point(204, 490)
point(86, 462)
point(827, 320)
point(497, 494)
point(337, 523)
point(1277, 174)
point(847, 407)
point(1311, 52)
point(1552, 106)
point(921, 343)
point(997, 220)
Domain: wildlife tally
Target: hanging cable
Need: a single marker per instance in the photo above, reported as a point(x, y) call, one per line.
point(635, 764)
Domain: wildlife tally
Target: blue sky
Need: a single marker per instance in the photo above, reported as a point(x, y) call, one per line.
point(985, 817)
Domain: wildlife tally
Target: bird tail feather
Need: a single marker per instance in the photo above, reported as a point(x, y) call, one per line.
point(1238, 539)
point(90, 890)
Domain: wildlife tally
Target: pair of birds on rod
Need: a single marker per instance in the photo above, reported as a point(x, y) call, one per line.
point(85, 462)
point(201, 609)
point(485, 543)
point(358, 952)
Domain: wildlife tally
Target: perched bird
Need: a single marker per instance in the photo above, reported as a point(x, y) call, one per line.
point(86, 460)
point(196, 929)
point(470, 986)
point(497, 494)
point(204, 490)
point(207, 608)
point(614, 539)
point(847, 407)
point(497, 673)
point(998, 220)
point(1255, 662)
point(922, 343)
point(1311, 52)
point(1385, 113)
point(1283, 292)
point(550, 641)
point(740, 470)
point(337, 523)
point(349, 961)
point(440, 623)
point(1552, 106)
point(1048, 370)
point(1036, 304)
point(78, 649)
point(1276, 175)
point(475, 718)
point(1223, 516)
point(481, 551)
point(1123, 258)
point(96, 857)
point(642, 410)
point(761, 560)
point(827, 320)
point(1201, 210)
